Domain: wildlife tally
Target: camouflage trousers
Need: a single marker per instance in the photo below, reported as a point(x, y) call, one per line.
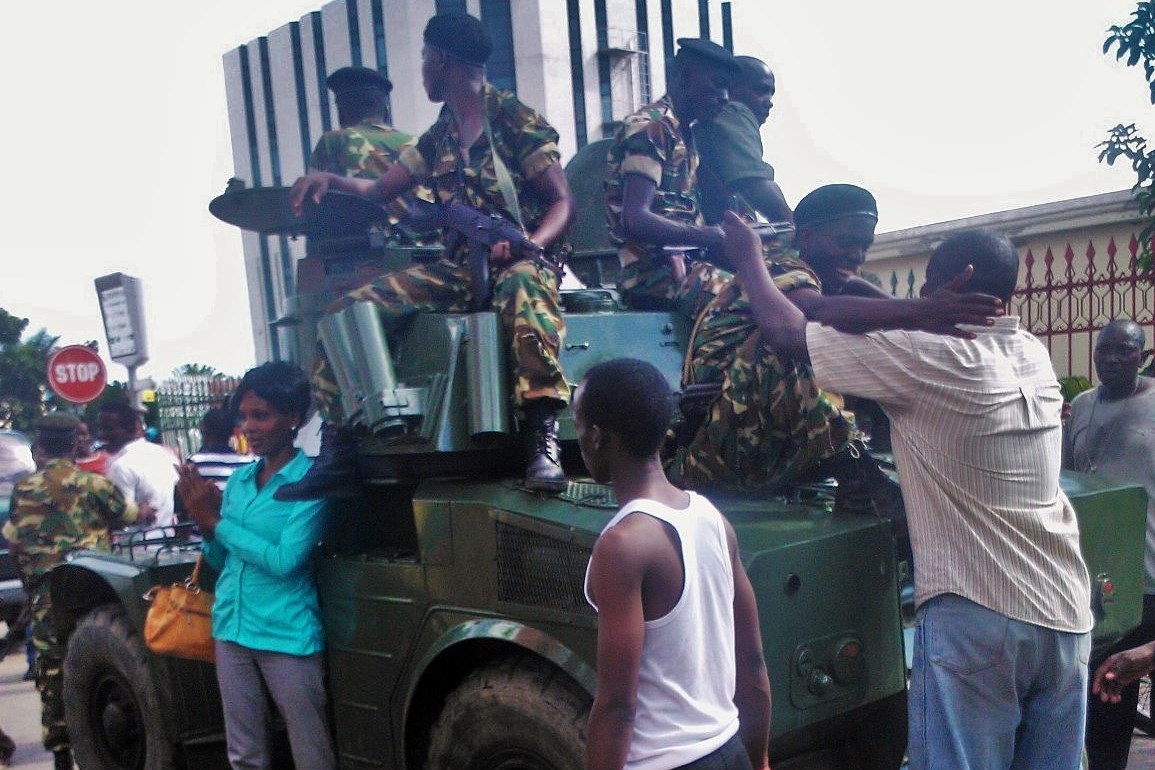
point(524, 294)
point(49, 664)
point(770, 422)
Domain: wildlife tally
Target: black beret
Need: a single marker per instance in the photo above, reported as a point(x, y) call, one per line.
point(709, 51)
point(461, 36)
point(834, 201)
point(58, 423)
point(356, 78)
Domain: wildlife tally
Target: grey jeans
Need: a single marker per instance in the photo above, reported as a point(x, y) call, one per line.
point(731, 755)
point(296, 684)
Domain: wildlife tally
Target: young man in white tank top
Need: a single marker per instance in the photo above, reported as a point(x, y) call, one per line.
point(682, 679)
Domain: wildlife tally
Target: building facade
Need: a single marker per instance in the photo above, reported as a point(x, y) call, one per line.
point(584, 64)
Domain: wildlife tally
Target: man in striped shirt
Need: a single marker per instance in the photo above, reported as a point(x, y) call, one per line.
point(1004, 605)
point(216, 459)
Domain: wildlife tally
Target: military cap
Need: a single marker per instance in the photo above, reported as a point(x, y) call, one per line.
point(834, 201)
point(708, 51)
point(461, 36)
point(357, 78)
point(58, 423)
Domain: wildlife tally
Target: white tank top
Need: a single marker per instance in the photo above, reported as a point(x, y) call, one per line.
point(686, 683)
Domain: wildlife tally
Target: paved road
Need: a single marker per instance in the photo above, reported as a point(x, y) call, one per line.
point(20, 718)
point(20, 715)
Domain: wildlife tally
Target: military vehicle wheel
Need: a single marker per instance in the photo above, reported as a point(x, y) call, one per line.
point(110, 702)
point(515, 714)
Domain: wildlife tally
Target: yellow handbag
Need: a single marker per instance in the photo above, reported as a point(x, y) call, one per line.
point(180, 619)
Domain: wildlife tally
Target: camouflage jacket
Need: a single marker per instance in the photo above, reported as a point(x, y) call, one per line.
point(651, 142)
point(366, 150)
point(527, 144)
point(58, 510)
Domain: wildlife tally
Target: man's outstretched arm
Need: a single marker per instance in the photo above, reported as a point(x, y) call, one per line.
point(315, 184)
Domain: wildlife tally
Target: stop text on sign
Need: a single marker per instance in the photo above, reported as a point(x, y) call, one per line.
point(76, 374)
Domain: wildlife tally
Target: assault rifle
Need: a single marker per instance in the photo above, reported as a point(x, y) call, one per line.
point(481, 232)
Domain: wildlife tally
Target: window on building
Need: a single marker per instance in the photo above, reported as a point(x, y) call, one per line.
point(642, 15)
point(577, 71)
point(500, 70)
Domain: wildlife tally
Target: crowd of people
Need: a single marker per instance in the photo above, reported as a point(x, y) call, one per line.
point(789, 343)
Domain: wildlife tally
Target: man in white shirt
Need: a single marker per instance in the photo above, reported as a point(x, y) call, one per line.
point(1004, 611)
point(144, 472)
point(681, 674)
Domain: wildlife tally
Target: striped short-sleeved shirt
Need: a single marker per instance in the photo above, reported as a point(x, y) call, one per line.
point(978, 439)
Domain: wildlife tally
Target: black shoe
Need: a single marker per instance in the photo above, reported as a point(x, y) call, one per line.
point(863, 487)
point(62, 759)
point(30, 674)
point(334, 472)
point(543, 471)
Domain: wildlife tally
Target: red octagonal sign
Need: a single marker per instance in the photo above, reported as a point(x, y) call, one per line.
point(77, 374)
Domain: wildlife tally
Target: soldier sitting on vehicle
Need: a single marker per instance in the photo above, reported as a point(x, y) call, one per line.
point(768, 424)
point(495, 154)
point(652, 197)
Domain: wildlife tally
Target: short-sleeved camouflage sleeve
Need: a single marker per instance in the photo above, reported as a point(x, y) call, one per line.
point(645, 149)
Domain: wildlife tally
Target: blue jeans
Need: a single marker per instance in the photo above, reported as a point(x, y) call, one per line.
point(991, 693)
point(731, 755)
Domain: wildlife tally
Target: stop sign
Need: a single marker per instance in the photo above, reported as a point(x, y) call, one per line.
point(76, 374)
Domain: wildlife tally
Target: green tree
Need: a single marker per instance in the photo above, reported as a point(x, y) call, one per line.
point(1135, 42)
point(23, 372)
point(195, 370)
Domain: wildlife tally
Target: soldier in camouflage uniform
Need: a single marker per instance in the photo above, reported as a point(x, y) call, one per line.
point(55, 511)
point(652, 196)
point(770, 425)
point(525, 291)
point(365, 146)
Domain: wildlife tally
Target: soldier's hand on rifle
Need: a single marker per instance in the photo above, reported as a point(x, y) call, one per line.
point(312, 185)
point(742, 246)
point(501, 253)
point(200, 497)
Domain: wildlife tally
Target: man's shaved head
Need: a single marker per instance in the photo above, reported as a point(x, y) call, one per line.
point(754, 86)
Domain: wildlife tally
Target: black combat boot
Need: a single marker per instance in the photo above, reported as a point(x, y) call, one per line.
point(863, 487)
point(62, 759)
point(334, 472)
point(543, 471)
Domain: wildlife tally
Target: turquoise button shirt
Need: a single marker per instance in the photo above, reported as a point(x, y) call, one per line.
point(266, 598)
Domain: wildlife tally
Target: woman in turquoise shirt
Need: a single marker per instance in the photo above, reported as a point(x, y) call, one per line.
point(266, 620)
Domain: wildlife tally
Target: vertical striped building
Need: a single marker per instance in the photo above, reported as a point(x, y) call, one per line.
point(584, 64)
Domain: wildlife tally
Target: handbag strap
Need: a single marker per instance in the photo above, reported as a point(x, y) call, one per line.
point(193, 580)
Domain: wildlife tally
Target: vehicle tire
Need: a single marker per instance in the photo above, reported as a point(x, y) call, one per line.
point(1143, 711)
point(514, 714)
point(114, 712)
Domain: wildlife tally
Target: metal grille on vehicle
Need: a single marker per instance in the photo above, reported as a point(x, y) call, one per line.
point(540, 571)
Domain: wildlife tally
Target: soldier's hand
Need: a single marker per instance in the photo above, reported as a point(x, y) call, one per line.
point(500, 253)
point(742, 246)
point(1120, 670)
point(946, 308)
point(312, 185)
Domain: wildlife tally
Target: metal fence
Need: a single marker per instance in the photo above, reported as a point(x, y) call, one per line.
point(1069, 293)
point(182, 402)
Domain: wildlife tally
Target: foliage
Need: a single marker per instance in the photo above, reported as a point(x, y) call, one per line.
point(1135, 41)
point(195, 370)
point(23, 372)
point(1072, 385)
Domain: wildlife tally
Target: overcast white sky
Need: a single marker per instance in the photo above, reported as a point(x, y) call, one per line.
point(116, 136)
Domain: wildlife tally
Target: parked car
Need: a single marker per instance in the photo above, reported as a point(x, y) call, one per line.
point(15, 463)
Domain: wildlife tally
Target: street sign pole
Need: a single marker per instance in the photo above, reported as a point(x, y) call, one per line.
point(122, 309)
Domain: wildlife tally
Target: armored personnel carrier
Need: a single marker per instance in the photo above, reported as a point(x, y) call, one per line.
point(458, 634)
